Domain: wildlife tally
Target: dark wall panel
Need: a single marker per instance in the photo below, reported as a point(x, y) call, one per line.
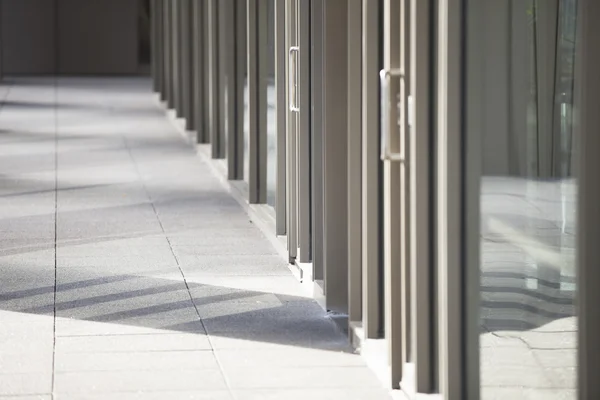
point(28, 37)
point(98, 36)
point(75, 36)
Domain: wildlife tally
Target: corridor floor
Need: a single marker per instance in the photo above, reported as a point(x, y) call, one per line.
point(128, 271)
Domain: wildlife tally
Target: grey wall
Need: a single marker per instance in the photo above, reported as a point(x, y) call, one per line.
point(98, 36)
point(69, 36)
point(28, 36)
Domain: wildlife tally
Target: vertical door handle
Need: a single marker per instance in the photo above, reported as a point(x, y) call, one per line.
point(386, 76)
point(293, 78)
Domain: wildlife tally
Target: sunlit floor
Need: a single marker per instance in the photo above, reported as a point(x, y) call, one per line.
point(128, 271)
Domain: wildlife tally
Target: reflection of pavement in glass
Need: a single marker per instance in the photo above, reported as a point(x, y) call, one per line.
point(528, 340)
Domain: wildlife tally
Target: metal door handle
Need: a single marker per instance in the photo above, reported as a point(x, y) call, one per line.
point(293, 78)
point(385, 76)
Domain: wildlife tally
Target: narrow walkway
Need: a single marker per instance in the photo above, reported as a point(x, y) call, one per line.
point(127, 271)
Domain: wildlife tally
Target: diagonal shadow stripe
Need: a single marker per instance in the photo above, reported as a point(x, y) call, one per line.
point(85, 302)
point(20, 294)
point(161, 308)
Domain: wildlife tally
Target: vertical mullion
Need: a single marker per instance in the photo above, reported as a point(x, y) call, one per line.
point(160, 47)
point(191, 44)
point(474, 105)
point(168, 45)
point(370, 171)
point(405, 309)
point(335, 137)
point(223, 62)
point(228, 70)
point(176, 56)
point(303, 134)
point(316, 138)
point(213, 75)
point(391, 199)
point(186, 63)
point(449, 199)
point(253, 106)
point(354, 160)
point(198, 66)
point(241, 66)
point(421, 195)
point(181, 47)
point(1, 44)
point(181, 58)
point(154, 45)
point(281, 112)
point(588, 220)
point(292, 211)
point(206, 55)
point(262, 15)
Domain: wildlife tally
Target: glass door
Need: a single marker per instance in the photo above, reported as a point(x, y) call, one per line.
point(407, 153)
point(521, 58)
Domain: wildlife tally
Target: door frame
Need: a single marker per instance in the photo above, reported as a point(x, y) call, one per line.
point(291, 130)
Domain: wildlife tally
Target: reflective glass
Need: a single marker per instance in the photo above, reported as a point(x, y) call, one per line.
point(521, 79)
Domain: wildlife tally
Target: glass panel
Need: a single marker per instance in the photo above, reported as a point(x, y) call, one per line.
point(271, 103)
point(521, 79)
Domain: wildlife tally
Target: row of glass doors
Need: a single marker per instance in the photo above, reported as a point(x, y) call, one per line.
point(422, 162)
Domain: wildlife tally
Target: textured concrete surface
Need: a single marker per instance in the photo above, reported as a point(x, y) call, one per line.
point(128, 272)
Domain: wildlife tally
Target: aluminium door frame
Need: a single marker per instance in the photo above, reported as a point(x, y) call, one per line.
point(472, 171)
point(168, 45)
point(160, 55)
point(213, 77)
point(227, 84)
point(420, 158)
point(198, 60)
point(176, 56)
point(262, 70)
point(187, 77)
point(206, 50)
point(179, 34)
point(236, 147)
point(355, 160)
point(281, 114)
point(371, 277)
point(303, 139)
point(588, 216)
point(226, 60)
point(405, 92)
point(335, 164)
point(181, 58)
point(393, 142)
point(291, 130)
point(450, 240)
point(257, 101)
point(155, 45)
point(316, 137)
point(1, 46)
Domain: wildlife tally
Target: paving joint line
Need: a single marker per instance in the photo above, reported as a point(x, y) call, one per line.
point(178, 263)
point(56, 125)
